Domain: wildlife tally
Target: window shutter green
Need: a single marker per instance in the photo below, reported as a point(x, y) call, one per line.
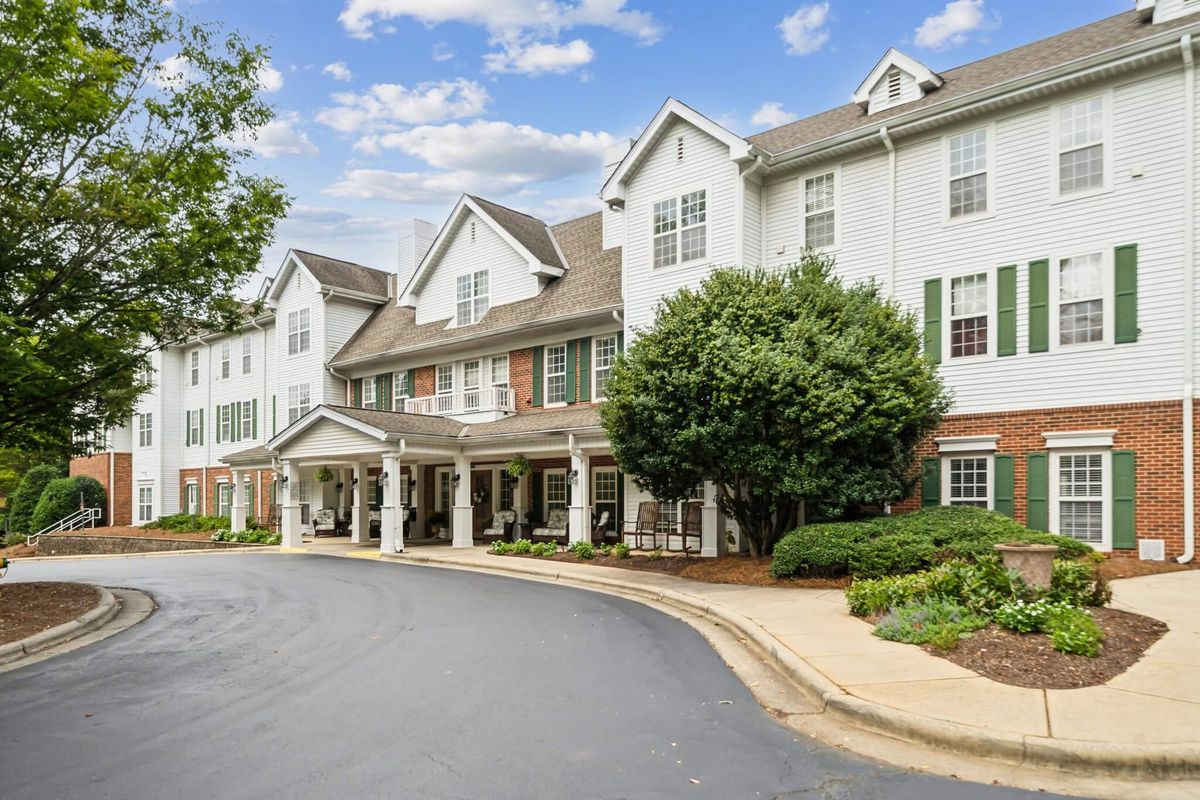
point(1003, 485)
point(1039, 306)
point(217, 421)
point(1006, 311)
point(1123, 491)
point(1125, 313)
point(1037, 492)
point(931, 481)
point(383, 392)
point(356, 392)
point(254, 419)
point(537, 375)
point(412, 383)
point(620, 341)
point(585, 369)
point(273, 482)
point(202, 426)
point(216, 509)
point(571, 366)
point(237, 422)
point(187, 429)
point(535, 511)
point(933, 320)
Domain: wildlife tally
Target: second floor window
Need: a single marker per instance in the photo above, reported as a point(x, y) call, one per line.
point(604, 349)
point(969, 315)
point(1081, 146)
point(225, 361)
point(400, 389)
point(247, 430)
point(195, 367)
point(1081, 299)
point(193, 421)
point(299, 332)
point(968, 173)
point(247, 343)
point(299, 401)
point(556, 374)
point(472, 297)
point(500, 371)
point(225, 433)
point(368, 392)
point(820, 228)
point(145, 430)
point(680, 229)
point(445, 378)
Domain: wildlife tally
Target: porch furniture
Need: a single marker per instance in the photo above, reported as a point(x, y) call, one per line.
point(325, 522)
point(689, 527)
point(344, 522)
point(645, 525)
point(374, 523)
point(600, 529)
point(501, 528)
point(555, 529)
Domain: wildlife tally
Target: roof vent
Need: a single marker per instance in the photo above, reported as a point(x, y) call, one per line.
point(893, 86)
point(679, 149)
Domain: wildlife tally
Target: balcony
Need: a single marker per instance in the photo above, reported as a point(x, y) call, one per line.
point(497, 400)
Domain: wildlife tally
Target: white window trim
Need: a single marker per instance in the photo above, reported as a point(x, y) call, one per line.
point(992, 316)
point(990, 171)
point(546, 375)
point(399, 397)
point(226, 360)
point(369, 383)
point(447, 509)
point(145, 486)
point(1105, 487)
point(486, 295)
point(490, 362)
point(546, 490)
point(708, 240)
point(1092, 440)
point(991, 473)
point(597, 397)
point(247, 355)
point(967, 444)
point(437, 384)
point(194, 368)
point(1056, 195)
point(246, 423)
point(837, 208)
point(1109, 297)
point(300, 350)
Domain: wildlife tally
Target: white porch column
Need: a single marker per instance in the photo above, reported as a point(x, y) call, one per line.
point(237, 507)
point(391, 533)
point(290, 527)
point(416, 497)
point(519, 503)
point(579, 512)
point(712, 524)
point(463, 519)
point(360, 517)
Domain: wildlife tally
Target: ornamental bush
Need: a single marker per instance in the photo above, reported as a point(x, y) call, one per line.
point(1072, 630)
point(1078, 583)
point(820, 550)
point(61, 498)
point(23, 502)
point(190, 523)
point(934, 621)
point(895, 554)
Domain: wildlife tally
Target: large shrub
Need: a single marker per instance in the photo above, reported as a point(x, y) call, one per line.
point(903, 543)
point(25, 499)
point(190, 523)
point(61, 498)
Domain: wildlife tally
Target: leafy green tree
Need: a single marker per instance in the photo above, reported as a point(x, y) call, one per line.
point(62, 497)
point(22, 504)
point(788, 390)
point(125, 216)
point(14, 463)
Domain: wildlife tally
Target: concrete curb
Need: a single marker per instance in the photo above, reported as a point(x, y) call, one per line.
point(1174, 761)
point(108, 608)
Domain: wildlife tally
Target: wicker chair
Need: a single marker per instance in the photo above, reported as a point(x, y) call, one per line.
point(501, 528)
point(325, 522)
point(646, 524)
point(555, 528)
point(689, 527)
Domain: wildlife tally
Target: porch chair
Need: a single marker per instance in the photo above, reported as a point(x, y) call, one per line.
point(374, 523)
point(645, 525)
point(689, 527)
point(555, 529)
point(325, 522)
point(501, 528)
point(600, 529)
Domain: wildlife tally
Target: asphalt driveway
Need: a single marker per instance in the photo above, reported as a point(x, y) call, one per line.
point(307, 677)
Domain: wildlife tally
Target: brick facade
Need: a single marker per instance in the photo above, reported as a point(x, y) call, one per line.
point(1153, 431)
point(114, 471)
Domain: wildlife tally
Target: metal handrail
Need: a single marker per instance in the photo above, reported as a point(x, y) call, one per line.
point(84, 517)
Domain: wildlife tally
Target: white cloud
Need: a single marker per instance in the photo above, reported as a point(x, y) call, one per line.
point(173, 73)
point(953, 26)
point(279, 137)
point(269, 79)
point(442, 52)
point(332, 224)
point(559, 209)
point(338, 70)
point(540, 58)
point(505, 19)
point(804, 31)
point(772, 115)
point(388, 104)
point(418, 187)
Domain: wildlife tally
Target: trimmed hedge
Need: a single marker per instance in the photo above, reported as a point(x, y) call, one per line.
point(904, 543)
point(24, 501)
point(61, 499)
point(189, 523)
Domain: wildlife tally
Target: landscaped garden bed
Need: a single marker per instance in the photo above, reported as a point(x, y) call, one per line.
point(30, 608)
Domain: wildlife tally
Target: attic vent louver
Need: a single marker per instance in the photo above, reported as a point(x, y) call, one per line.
point(472, 231)
point(893, 87)
point(679, 149)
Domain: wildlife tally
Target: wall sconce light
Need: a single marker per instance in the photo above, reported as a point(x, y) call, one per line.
point(285, 480)
point(412, 482)
point(456, 479)
point(383, 477)
point(340, 486)
point(573, 476)
point(354, 481)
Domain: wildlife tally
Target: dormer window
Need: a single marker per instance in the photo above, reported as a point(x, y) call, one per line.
point(472, 297)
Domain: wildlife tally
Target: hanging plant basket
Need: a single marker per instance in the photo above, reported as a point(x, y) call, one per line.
point(518, 466)
point(324, 475)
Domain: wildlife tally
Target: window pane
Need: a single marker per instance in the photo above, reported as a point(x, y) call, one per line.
point(819, 230)
point(968, 195)
point(471, 374)
point(1081, 277)
point(1081, 169)
point(968, 154)
point(818, 193)
point(693, 243)
point(556, 491)
point(499, 370)
point(445, 378)
point(1080, 323)
point(1080, 489)
point(968, 295)
point(664, 216)
point(664, 250)
point(1081, 124)
point(969, 481)
point(693, 210)
point(968, 337)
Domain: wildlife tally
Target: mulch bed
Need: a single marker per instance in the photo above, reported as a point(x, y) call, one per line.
point(733, 569)
point(29, 608)
point(1027, 659)
point(1115, 568)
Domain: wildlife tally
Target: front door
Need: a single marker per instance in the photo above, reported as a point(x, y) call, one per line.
point(482, 498)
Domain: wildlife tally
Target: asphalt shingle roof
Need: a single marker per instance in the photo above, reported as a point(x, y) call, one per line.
point(531, 232)
point(983, 74)
point(345, 274)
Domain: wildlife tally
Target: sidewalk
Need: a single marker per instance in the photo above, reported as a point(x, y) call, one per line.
point(1144, 723)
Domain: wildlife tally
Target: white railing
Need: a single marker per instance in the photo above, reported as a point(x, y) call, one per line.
point(83, 518)
point(493, 398)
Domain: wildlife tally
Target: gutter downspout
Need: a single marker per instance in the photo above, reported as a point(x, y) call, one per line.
point(891, 149)
point(1189, 300)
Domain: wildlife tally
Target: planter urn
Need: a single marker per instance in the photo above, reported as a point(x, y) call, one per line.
point(1032, 561)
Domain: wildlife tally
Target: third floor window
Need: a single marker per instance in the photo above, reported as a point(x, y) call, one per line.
point(299, 332)
point(473, 298)
point(968, 155)
point(1080, 138)
point(820, 201)
point(680, 229)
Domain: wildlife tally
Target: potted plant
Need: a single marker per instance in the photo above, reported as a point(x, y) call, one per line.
point(519, 466)
point(435, 521)
point(1033, 562)
point(324, 475)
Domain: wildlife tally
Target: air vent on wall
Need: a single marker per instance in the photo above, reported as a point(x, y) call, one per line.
point(1152, 550)
point(894, 85)
point(679, 149)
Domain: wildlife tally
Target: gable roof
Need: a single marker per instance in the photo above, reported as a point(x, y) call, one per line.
point(591, 283)
point(925, 77)
point(531, 232)
point(330, 273)
point(988, 73)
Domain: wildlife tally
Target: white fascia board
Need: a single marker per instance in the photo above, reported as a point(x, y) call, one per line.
point(926, 78)
point(280, 280)
point(967, 444)
point(1063, 439)
point(316, 415)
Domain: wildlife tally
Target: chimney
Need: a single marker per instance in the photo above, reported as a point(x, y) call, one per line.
point(613, 222)
point(416, 237)
point(613, 155)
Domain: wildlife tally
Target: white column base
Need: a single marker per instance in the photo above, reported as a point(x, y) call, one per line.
point(712, 525)
point(464, 521)
point(237, 519)
point(290, 527)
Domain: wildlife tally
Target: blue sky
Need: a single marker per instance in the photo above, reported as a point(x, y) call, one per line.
point(388, 109)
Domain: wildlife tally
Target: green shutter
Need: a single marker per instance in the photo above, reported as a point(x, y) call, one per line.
point(571, 367)
point(217, 424)
point(1037, 492)
point(254, 419)
point(202, 426)
point(931, 481)
point(537, 375)
point(1002, 485)
point(1123, 489)
point(412, 383)
point(216, 507)
point(272, 497)
point(250, 500)
point(187, 429)
point(535, 512)
point(620, 341)
point(1039, 306)
point(585, 369)
point(1125, 312)
point(356, 392)
point(933, 320)
point(1006, 311)
point(383, 392)
point(236, 422)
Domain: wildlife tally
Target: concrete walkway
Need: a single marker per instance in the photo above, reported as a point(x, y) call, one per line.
point(1144, 723)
